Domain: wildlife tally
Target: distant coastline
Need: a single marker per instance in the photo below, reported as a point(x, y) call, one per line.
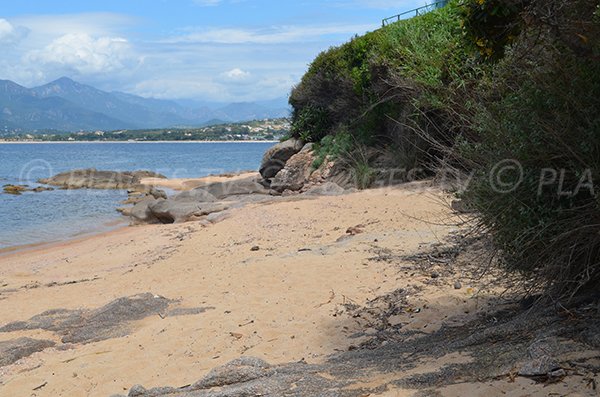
point(174, 141)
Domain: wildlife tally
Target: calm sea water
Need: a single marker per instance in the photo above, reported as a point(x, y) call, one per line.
point(61, 214)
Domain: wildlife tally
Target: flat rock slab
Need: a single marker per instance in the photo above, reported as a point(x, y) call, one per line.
point(249, 376)
point(13, 350)
point(95, 179)
point(110, 321)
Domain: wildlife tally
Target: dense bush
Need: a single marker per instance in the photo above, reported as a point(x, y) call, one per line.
point(538, 113)
point(379, 86)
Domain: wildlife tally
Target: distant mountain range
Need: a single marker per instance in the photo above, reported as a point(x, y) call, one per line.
point(66, 105)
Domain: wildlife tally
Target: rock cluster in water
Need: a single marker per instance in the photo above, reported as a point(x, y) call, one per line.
point(94, 179)
point(20, 189)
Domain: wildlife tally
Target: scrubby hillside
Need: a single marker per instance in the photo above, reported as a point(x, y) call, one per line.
point(377, 88)
point(506, 92)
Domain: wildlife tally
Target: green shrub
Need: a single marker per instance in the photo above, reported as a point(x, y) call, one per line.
point(539, 109)
point(332, 147)
point(363, 174)
point(491, 25)
point(370, 84)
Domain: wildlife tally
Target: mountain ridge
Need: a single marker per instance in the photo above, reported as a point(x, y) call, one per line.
point(67, 105)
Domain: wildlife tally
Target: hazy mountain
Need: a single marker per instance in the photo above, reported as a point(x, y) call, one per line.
point(21, 108)
point(67, 105)
point(122, 108)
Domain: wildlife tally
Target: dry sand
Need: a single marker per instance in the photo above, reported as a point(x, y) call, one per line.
point(279, 302)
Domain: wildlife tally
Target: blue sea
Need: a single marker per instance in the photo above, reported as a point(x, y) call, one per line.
point(33, 218)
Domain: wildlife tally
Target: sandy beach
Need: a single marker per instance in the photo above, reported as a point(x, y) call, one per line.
point(284, 282)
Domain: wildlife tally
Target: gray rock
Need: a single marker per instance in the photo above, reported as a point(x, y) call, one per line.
point(173, 211)
point(137, 391)
point(241, 370)
point(94, 179)
point(157, 193)
point(326, 189)
point(141, 213)
point(237, 187)
point(13, 350)
point(296, 172)
point(275, 158)
point(217, 217)
point(197, 195)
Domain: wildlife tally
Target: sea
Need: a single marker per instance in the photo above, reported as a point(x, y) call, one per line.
point(52, 216)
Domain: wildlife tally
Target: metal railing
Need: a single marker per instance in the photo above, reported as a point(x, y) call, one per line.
point(414, 13)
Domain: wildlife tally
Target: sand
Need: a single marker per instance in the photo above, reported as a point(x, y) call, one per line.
point(271, 277)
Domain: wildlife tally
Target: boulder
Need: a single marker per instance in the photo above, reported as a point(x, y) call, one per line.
point(296, 172)
point(326, 189)
point(134, 196)
point(198, 203)
point(94, 179)
point(238, 187)
point(275, 158)
point(197, 195)
point(173, 211)
point(333, 171)
point(141, 213)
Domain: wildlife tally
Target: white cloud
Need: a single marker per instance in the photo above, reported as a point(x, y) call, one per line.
point(84, 54)
point(219, 64)
point(236, 75)
point(9, 33)
point(273, 35)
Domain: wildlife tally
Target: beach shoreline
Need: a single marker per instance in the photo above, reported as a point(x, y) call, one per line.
point(207, 267)
point(299, 283)
point(15, 250)
point(182, 141)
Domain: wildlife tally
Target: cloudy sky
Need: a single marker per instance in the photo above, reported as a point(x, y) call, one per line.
point(213, 50)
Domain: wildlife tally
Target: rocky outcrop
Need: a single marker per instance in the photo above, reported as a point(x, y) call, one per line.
point(174, 211)
point(20, 189)
point(296, 172)
point(136, 195)
point(275, 158)
point(198, 203)
point(332, 171)
point(15, 189)
point(238, 187)
point(94, 179)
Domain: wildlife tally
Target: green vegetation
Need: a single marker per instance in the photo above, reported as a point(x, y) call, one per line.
point(383, 88)
point(259, 130)
point(507, 91)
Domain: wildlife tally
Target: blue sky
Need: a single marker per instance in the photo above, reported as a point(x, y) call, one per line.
point(212, 50)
